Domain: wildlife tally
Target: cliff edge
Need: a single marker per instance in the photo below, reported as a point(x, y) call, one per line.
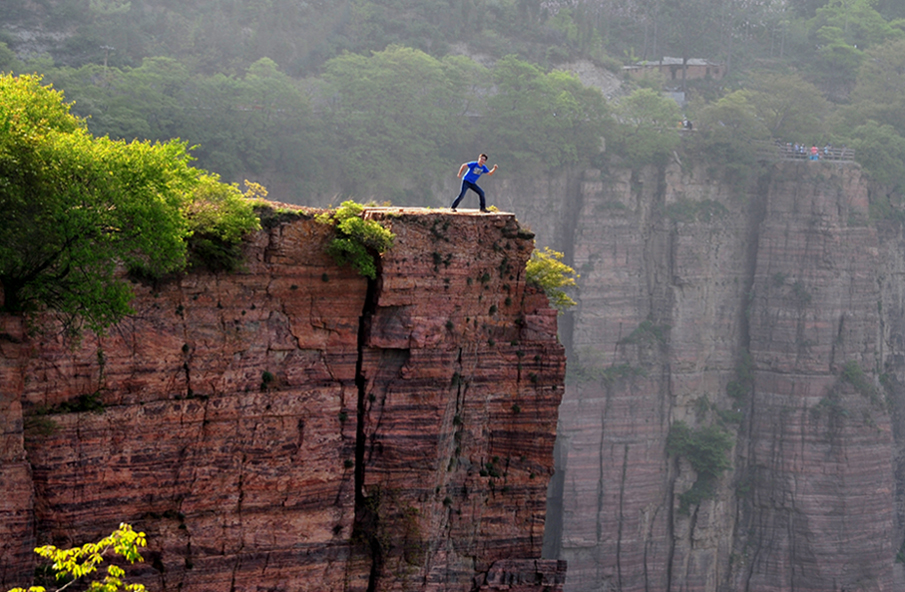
point(295, 426)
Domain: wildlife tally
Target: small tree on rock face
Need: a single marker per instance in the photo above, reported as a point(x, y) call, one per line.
point(546, 270)
point(77, 563)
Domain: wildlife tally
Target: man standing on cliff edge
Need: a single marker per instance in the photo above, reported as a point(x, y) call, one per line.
point(475, 168)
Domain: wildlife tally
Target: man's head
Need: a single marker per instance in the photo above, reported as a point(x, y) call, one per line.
point(482, 159)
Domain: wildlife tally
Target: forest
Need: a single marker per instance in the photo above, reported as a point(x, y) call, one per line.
point(381, 99)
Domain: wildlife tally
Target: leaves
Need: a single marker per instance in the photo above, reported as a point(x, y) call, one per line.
point(77, 207)
point(538, 120)
point(79, 562)
point(546, 270)
point(648, 127)
point(359, 242)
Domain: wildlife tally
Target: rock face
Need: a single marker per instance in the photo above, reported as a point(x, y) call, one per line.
point(771, 311)
point(297, 427)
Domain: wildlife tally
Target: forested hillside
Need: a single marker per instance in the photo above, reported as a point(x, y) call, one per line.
point(384, 98)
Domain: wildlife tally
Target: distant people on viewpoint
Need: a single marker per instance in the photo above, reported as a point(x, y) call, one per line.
point(474, 169)
point(814, 153)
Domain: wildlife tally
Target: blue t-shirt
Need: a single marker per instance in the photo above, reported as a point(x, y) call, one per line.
point(475, 171)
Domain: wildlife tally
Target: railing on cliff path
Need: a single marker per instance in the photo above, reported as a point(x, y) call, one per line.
point(774, 151)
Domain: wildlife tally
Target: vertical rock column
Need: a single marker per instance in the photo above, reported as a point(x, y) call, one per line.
point(17, 539)
point(819, 461)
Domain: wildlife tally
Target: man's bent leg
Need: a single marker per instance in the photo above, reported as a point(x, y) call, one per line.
point(461, 195)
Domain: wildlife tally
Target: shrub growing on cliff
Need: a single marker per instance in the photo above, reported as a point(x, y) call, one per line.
point(73, 564)
point(546, 270)
point(707, 450)
point(358, 242)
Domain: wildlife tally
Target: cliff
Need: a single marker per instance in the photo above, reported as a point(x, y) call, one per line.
point(297, 427)
point(771, 310)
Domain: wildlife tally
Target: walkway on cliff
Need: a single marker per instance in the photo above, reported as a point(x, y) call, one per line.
point(774, 151)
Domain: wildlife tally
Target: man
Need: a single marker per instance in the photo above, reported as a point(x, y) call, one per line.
point(475, 169)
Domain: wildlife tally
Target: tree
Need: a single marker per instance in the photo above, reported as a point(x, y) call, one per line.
point(843, 30)
point(77, 207)
point(79, 562)
point(880, 92)
point(648, 127)
point(791, 108)
point(546, 270)
point(881, 151)
point(390, 115)
point(728, 131)
point(543, 121)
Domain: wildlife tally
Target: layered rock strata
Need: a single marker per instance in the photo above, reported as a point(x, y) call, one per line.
point(768, 309)
point(297, 427)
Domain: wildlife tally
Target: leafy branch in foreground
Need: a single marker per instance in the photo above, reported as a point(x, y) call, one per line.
point(546, 270)
point(358, 242)
point(78, 562)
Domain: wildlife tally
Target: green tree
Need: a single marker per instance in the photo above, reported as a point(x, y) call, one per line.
point(542, 121)
point(76, 207)
point(881, 151)
point(648, 127)
point(880, 92)
point(77, 563)
point(546, 270)
point(727, 132)
point(791, 108)
point(842, 31)
point(874, 122)
point(391, 115)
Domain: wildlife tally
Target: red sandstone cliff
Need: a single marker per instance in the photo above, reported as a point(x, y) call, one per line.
point(293, 427)
point(781, 291)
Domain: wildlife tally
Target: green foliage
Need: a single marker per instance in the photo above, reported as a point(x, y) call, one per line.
point(546, 270)
point(542, 121)
point(647, 333)
point(648, 127)
point(359, 242)
point(396, 108)
point(855, 376)
point(707, 450)
point(792, 109)
point(219, 217)
point(726, 131)
point(77, 206)
point(79, 562)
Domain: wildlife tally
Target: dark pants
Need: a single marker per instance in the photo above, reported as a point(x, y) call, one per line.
point(466, 185)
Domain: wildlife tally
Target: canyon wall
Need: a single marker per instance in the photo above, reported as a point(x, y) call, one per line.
point(295, 426)
point(769, 310)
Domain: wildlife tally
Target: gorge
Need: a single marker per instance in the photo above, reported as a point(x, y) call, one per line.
point(294, 426)
point(768, 309)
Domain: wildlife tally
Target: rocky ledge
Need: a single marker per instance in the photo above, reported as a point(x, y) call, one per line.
point(296, 426)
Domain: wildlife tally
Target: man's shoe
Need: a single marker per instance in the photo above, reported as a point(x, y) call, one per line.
point(484, 211)
point(453, 209)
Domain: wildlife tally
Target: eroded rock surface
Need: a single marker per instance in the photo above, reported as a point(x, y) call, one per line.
point(772, 308)
point(293, 427)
